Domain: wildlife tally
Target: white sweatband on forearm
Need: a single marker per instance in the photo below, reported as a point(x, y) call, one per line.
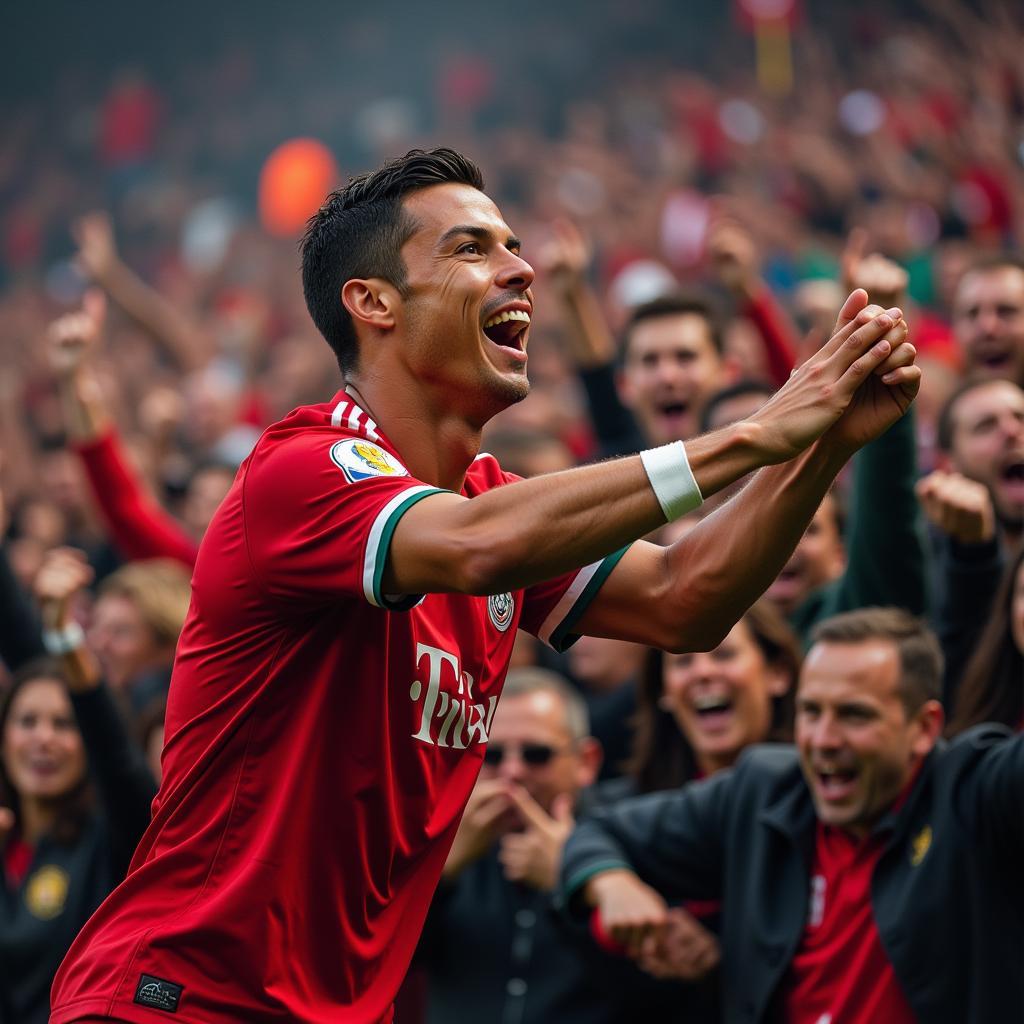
point(674, 485)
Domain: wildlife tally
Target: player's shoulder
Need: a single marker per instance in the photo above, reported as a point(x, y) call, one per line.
point(338, 432)
point(341, 415)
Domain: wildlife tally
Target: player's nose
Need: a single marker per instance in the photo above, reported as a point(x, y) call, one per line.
point(515, 273)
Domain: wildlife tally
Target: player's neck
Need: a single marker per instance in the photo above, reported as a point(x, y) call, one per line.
point(436, 445)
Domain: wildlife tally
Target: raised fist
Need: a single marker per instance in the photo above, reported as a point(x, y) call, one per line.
point(73, 336)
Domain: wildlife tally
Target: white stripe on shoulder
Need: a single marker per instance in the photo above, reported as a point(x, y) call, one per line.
point(370, 429)
point(373, 540)
point(339, 411)
point(572, 594)
point(353, 417)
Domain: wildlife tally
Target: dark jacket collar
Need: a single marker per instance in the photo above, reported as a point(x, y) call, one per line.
point(791, 812)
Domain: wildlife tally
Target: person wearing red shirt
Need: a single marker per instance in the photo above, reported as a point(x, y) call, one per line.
point(845, 862)
point(139, 527)
point(356, 597)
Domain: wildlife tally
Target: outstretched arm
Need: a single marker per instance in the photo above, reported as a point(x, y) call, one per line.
point(138, 525)
point(98, 258)
point(566, 261)
point(535, 529)
point(71, 340)
point(734, 259)
point(125, 783)
point(689, 595)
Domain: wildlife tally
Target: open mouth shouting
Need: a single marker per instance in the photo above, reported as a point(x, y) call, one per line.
point(835, 784)
point(714, 712)
point(994, 359)
point(1011, 480)
point(508, 329)
point(675, 417)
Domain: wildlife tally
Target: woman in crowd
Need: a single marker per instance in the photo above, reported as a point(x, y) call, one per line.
point(697, 712)
point(992, 687)
point(695, 715)
point(74, 799)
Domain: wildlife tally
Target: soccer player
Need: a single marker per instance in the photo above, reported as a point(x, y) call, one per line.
point(356, 598)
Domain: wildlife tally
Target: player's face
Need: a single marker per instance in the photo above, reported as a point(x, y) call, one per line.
point(467, 315)
point(42, 749)
point(537, 751)
point(858, 746)
point(988, 444)
point(818, 558)
point(671, 368)
point(988, 317)
point(722, 699)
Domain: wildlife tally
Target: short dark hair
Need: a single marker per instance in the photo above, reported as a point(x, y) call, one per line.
point(359, 232)
point(676, 304)
point(921, 661)
point(946, 426)
point(989, 261)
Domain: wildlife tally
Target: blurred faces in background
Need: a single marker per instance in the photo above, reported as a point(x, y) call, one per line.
point(988, 319)
point(818, 559)
point(672, 363)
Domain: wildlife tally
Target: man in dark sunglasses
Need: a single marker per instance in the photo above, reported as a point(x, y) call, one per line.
point(534, 754)
point(538, 759)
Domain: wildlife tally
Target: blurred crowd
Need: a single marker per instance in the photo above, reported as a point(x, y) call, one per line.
point(695, 230)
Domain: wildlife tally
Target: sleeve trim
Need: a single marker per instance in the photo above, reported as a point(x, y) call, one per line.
point(555, 631)
point(378, 542)
point(584, 875)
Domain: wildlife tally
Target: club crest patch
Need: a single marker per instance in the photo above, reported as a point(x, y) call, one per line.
point(500, 608)
point(46, 892)
point(920, 845)
point(361, 460)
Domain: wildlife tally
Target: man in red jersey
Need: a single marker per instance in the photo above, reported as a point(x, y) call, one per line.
point(843, 862)
point(357, 594)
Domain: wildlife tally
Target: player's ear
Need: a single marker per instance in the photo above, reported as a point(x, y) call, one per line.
point(371, 301)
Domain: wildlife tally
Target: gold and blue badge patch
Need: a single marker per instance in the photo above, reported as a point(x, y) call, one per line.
point(361, 460)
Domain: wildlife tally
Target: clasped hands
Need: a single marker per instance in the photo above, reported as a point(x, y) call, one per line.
point(850, 391)
point(667, 942)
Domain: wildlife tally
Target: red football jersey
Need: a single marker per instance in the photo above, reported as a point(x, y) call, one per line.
point(322, 741)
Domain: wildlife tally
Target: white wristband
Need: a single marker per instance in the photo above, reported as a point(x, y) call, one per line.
point(64, 640)
point(674, 485)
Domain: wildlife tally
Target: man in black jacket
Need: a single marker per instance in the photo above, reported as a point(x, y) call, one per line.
point(846, 865)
